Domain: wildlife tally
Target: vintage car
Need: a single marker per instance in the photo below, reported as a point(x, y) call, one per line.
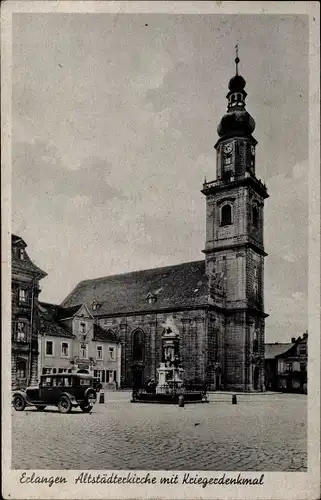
point(66, 391)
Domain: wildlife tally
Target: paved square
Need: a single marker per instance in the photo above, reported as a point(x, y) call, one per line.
point(263, 432)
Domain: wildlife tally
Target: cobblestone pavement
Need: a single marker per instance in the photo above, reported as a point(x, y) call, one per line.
point(263, 432)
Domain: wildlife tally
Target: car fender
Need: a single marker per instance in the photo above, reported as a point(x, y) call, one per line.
point(90, 390)
point(23, 394)
point(70, 397)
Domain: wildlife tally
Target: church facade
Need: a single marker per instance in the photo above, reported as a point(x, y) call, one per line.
point(216, 304)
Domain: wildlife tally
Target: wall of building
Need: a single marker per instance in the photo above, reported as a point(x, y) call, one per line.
point(26, 312)
point(193, 348)
point(57, 362)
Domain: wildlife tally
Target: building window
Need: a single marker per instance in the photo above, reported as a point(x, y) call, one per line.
point(138, 346)
point(255, 341)
point(21, 369)
point(47, 371)
point(83, 328)
point(54, 370)
point(47, 382)
point(83, 351)
point(226, 215)
point(256, 281)
point(99, 352)
point(64, 349)
point(255, 216)
point(22, 295)
point(21, 331)
point(21, 254)
point(49, 348)
point(99, 374)
point(289, 367)
point(303, 367)
point(112, 354)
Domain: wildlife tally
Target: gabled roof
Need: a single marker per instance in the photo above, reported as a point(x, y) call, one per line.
point(178, 286)
point(25, 264)
point(54, 329)
point(68, 312)
point(17, 239)
point(49, 323)
point(104, 335)
point(273, 350)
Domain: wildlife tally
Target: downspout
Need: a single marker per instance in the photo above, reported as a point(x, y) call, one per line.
point(31, 327)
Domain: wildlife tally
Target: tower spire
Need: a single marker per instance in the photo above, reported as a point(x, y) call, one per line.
point(237, 59)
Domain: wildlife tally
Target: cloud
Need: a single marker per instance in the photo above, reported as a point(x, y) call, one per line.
point(38, 170)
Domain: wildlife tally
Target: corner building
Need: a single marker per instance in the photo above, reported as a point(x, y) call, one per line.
point(217, 304)
point(25, 289)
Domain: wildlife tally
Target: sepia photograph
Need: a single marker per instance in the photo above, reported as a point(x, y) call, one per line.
point(159, 247)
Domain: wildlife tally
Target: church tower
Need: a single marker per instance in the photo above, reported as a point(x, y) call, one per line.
point(234, 248)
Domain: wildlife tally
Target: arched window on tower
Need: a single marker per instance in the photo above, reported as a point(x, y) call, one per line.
point(255, 216)
point(138, 346)
point(226, 215)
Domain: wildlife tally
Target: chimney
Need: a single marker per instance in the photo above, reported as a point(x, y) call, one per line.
point(293, 340)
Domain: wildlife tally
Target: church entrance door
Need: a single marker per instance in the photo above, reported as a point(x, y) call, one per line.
point(256, 378)
point(217, 381)
point(138, 377)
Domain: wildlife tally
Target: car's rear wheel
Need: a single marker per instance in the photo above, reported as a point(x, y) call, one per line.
point(19, 403)
point(64, 405)
point(86, 408)
point(40, 408)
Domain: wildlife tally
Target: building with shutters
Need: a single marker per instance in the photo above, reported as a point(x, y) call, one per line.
point(70, 340)
point(216, 303)
point(25, 278)
point(286, 365)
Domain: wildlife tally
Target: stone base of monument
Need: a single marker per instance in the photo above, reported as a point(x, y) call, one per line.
point(167, 398)
point(168, 395)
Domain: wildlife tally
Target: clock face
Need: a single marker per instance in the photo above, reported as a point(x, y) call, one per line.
point(227, 148)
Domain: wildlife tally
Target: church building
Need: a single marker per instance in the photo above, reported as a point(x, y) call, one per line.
point(217, 303)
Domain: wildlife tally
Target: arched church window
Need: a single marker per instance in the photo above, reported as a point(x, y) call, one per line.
point(226, 215)
point(138, 345)
point(255, 216)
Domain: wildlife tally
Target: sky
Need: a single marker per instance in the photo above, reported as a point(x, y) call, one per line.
point(114, 119)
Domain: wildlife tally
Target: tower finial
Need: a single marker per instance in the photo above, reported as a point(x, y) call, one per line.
point(237, 59)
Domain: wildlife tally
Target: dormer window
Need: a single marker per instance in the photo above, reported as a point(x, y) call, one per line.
point(21, 253)
point(151, 298)
point(226, 215)
point(83, 328)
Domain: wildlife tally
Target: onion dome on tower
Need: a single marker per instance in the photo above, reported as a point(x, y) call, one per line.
point(237, 121)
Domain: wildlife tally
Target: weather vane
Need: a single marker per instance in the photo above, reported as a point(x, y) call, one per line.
point(237, 59)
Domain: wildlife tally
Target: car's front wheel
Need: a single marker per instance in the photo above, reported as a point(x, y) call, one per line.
point(86, 408)
point(19, 403)
point(64, 405)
